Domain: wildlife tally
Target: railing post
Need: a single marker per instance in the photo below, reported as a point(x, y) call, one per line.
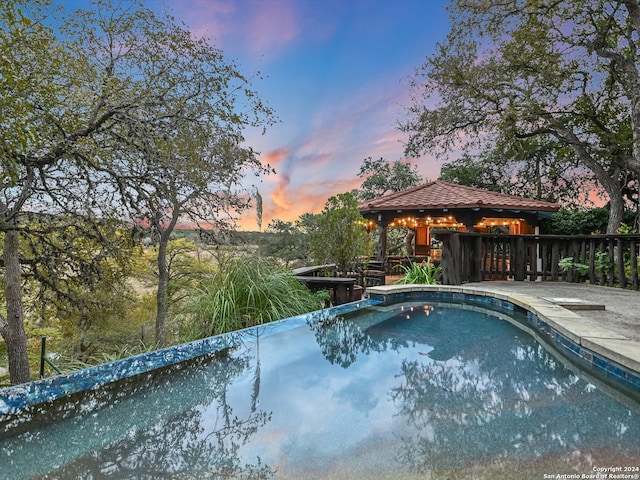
point(620, 258)
point(520, 268)
point(612, 263)
point(592, 261)
point(555, 258)
point(633, 254)
point(533, 254)
point(43, 351)
point(476, 261)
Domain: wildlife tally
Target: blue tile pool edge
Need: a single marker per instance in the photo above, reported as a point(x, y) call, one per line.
point(602, 364)
point(19, 397)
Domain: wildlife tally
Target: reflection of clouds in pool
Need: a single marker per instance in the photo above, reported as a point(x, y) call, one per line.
point(364, 400)
point(360, 395)
point(327, 411)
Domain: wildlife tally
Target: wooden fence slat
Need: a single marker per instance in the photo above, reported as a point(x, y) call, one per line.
point(633, 253)
point(622, 275)
point(603, 274)
point(612, 264)
point(555, 258)
point(592, 261)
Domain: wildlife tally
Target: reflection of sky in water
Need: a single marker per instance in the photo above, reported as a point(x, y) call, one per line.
point(421, 387)
point(325, 410)
point(448, 392)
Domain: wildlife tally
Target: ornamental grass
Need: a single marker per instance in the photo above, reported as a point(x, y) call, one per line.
point(245, 292)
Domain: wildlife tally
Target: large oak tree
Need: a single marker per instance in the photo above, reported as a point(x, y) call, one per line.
point(565, 70)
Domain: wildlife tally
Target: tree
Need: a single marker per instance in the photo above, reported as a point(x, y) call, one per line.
point(546, 69)
point(289, 241)
point(182, 157)
point(185, 270)
point(43, 126)
point(76, 274)
point(340, 236)
point(527, 168)
point(381, 176)
point(479, 173)
point(123, 99)
point(545, 169)
point(185, 180)
point(286, 241)
point(577, 222)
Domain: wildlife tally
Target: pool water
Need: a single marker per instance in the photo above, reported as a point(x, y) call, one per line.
point(424, 390)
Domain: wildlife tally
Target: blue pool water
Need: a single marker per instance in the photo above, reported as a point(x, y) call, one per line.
point(424, 390)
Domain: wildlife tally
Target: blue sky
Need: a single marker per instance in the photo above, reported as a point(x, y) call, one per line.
point(337, 75)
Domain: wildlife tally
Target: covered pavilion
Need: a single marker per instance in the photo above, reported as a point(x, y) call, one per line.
point(441, 205)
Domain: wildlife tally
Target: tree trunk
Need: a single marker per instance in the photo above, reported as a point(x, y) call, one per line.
point(408, 242)
point(610, 181)
point(382, 243)
point(616, 212)
point(13, 329)
point(161, 296)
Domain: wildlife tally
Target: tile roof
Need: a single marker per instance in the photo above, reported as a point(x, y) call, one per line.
point(448, 195)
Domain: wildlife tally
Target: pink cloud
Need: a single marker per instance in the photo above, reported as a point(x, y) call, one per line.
point(271, 24)
point(274, 157)
point(279, 194)
point(290, 203)
point(254, 26)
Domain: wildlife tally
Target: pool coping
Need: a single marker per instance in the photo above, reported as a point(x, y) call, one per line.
point(610, 352)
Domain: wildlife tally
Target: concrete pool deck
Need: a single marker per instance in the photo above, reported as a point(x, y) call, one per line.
point(602, 319)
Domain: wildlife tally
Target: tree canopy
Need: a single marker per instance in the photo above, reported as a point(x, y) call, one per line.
point(339, 236)
point(113, 112)
point(382, 176)
point(517, 69)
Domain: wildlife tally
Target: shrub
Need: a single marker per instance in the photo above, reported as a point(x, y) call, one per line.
point(245, 292)
point(424, 273)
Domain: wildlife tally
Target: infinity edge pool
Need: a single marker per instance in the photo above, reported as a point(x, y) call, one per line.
point(612, 355)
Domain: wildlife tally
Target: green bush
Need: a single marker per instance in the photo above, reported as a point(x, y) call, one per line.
point(567, 263)
point(245, 292)
point(423, 273)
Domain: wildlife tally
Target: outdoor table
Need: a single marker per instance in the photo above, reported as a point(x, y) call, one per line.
point(313, 270)
point(342, 286)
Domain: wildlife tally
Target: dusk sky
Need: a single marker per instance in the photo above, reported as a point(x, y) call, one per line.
point(337, 76)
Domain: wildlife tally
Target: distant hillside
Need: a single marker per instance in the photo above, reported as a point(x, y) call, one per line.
point(221, 238)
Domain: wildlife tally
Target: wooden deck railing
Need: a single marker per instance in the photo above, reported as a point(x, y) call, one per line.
point(599, 259)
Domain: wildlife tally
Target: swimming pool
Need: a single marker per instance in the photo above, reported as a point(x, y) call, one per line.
point(425, 389)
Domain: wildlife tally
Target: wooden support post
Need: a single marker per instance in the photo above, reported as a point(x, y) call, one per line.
point(382, 243)
point(476, 260)
point(451, 256)
point(634, 264)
